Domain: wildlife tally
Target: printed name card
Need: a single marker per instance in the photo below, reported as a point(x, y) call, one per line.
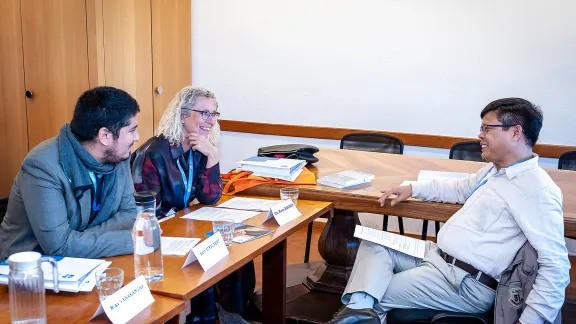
point(209, 252)
point(127, 302)
point(283, 212)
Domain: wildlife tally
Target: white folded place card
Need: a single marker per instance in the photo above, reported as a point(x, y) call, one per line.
point(127, 302)
point(209, 252)
point(283, 212)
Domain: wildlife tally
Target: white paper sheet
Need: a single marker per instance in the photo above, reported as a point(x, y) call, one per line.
point(404, 244)
point(252, 204)
point(443, 175)
point(177, 245)
point(211, 214)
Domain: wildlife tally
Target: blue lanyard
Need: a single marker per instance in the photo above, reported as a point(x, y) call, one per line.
point(480, 182)
point(187, 182)
point(95, 207)
point(483, 180)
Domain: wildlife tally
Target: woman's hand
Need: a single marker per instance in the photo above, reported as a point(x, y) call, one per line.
point(201, 144)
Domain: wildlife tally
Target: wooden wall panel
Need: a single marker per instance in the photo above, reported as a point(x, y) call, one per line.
point(95, 32)
point(13, 124)
point(127, 41)
point(171, 50)
point(55, 62)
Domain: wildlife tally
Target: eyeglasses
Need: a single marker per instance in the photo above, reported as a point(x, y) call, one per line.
point(486, 128)
point(205, 114)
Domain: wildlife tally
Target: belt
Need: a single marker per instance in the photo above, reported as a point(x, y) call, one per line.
point(479, 275)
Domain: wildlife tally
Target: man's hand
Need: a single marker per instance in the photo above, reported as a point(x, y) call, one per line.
point(402, 193)
point(201, 144)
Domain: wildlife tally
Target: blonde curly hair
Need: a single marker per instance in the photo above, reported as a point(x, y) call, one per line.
point(170, 125)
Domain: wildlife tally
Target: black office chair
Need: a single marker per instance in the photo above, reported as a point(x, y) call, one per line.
point(3, 208)
point(373, 142)
point(432, 316)
point(467, 151)
point(567, 161)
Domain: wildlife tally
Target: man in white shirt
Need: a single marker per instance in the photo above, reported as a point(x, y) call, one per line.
point(507, 202)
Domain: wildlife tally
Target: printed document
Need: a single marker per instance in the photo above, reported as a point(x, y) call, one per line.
point(212, 214)
point(253, 204)
point(404, 244)
point(177, 245)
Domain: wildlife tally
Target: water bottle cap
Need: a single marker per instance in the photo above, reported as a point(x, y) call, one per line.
point(24, 260)
point(145, 196)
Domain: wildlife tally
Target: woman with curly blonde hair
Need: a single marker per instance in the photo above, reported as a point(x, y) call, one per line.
point(179, 164)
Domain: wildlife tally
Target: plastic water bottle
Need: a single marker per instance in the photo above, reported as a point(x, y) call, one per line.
point(26, 286)
point(148, 260)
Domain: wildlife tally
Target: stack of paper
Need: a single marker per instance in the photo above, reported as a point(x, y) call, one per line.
point(346, 179)
point(74, 274)
point(283, 169)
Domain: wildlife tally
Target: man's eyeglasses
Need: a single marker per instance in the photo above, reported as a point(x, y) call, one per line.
point(205, 114)
point(486, 128)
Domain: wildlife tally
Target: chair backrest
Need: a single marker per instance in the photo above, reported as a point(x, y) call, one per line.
point(372, 142)
point(567, 161)
point(468, 151)
point(3, 208)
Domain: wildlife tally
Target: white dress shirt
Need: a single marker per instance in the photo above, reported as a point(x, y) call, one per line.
point(501, 211)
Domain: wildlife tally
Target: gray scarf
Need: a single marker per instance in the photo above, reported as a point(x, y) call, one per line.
point(77, 162)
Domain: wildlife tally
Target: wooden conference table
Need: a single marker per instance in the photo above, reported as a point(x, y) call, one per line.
point(183, 284)
point(70, 308)
point(338, 247)
point(180, 285)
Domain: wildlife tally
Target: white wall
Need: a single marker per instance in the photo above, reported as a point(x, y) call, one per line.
point(237, 146)
point(416, 66)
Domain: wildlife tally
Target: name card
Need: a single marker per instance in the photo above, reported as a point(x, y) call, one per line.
point(209, 252)
point(127, 302)
point(283, 212)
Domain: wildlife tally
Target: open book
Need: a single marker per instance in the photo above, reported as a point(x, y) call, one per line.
point(404, 244)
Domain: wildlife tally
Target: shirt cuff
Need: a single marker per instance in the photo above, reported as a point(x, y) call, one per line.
point(530, 315)
point(418, 189)
point(213, 173)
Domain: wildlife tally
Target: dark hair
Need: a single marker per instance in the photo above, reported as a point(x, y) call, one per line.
point(102, 107)
point(518, 111)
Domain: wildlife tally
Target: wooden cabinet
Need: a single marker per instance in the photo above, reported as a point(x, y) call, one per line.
point(59, 48)
point(13, 124)
point(171, 66)
point(55, 44)
point(126, 37)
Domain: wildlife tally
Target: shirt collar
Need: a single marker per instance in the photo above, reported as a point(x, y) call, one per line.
point(519, 167)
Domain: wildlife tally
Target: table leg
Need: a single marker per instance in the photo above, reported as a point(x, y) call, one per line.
point(338, 247)
point(274, 284)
